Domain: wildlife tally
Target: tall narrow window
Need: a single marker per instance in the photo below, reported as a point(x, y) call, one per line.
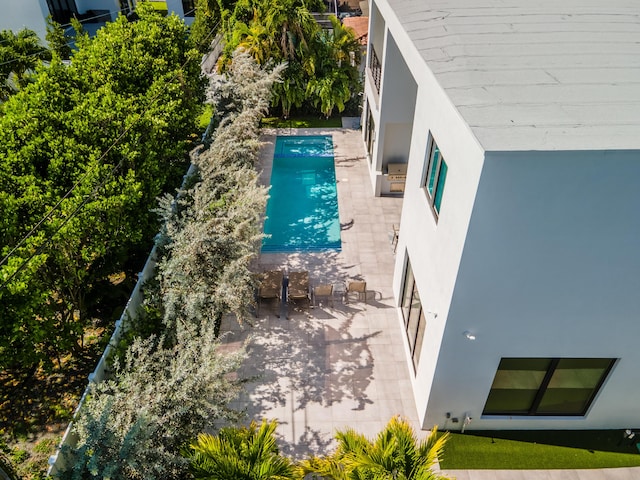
point(546, 386)
point(413, 313)
point(436, 175)
point(370, 133)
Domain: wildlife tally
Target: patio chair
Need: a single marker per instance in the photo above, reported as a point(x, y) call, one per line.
point(322, 291)
point(298, 288)
point(357, 287)
point(270, 288)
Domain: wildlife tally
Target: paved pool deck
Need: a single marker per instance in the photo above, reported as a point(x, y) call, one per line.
point(343, 365)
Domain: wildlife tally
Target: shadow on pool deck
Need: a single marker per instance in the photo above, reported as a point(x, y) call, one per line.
point(332, 368)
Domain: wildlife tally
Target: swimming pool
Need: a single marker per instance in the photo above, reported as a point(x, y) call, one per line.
point(302, 210)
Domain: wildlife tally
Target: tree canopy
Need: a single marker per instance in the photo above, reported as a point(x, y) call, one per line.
point(249, 453)
point(322, 64)
point(395, 453)
point(172, 387)
point(85, 149)
point(20, 54)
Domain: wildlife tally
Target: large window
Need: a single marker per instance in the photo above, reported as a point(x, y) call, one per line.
point(189, 8)
point(414, 319)
point(436, 175)
point(62, 10)
point(546, 386)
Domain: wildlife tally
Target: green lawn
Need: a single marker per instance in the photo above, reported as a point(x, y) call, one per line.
point(302, 122)
point(469, 451)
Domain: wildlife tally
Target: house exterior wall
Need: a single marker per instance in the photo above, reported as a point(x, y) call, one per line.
point(17, 15)
point(396, 114)
point(533, 252)
point(549, 269)
point(434, 248)
point(32, 14)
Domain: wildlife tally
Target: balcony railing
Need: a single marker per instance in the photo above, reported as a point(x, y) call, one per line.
point(376, 68)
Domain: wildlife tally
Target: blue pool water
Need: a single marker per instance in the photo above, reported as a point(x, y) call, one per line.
point(302, 210)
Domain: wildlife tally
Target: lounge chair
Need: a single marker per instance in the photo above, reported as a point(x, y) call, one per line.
point(322, 291)
point(298, 288)
point(270, 288)
point(357, 287)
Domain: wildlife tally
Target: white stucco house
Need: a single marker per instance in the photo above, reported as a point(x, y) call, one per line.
point(517, 276)
point(32, 14)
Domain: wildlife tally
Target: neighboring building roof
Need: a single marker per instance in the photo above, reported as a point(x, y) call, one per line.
point(360, 25)
point(535, 74)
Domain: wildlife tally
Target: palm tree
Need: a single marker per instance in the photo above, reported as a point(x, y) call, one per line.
point(330, 91)
point(290, 91)
point(21, 52)
point(291, 24)
point(396, 453)
point(333, 68)
point(256, 40)
point(242, 454)
point(344, 44)
point(321, 64)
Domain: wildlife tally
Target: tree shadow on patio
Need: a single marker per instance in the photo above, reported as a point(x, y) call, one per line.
point(298, 369)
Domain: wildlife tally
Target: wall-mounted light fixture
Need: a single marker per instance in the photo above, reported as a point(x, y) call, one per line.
point(468, 335)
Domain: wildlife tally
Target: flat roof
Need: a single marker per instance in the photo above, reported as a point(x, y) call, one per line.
point(535, 74)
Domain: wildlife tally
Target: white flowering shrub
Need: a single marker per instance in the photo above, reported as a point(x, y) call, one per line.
point(167, 390)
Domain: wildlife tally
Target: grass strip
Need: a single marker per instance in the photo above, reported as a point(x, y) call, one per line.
point(470, 452)
point(302, 122)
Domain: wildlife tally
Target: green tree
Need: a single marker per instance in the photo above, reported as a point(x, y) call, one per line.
point(206, 24)
point(336, 55)
point(170, 389)
point(57, 39)
point(322, 64)
point(135, 425)
point(396, 453)
point(20, 54)
point(94, 142)
point(241, 453)
point(291, 24)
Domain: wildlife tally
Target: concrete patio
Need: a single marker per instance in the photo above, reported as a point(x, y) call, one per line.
point(343, 365)
point(333, 366)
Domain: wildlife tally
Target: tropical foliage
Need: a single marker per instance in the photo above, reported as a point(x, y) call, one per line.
point(135, 424)
point(334, 78)
point(85, 149)
point(322, 64)
point(169, 388)
point(396, 453)
point(244, 453)
point(251, 453)
point(20, 54)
